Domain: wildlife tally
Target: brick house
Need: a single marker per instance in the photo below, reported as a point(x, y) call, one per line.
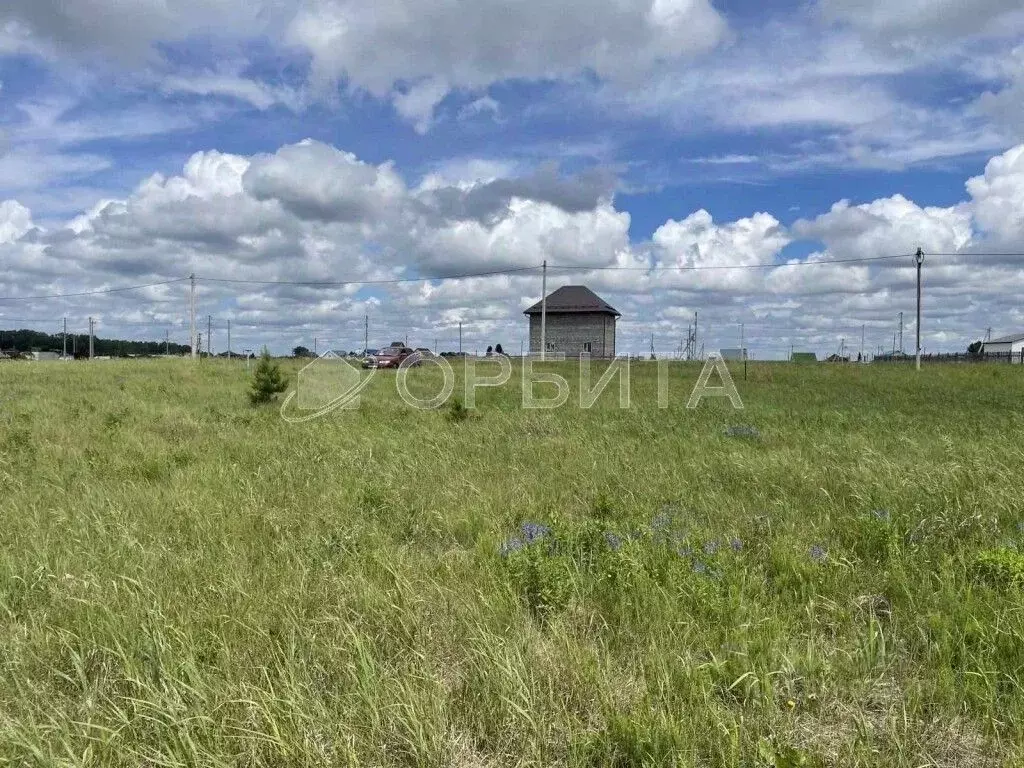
point(578, 320)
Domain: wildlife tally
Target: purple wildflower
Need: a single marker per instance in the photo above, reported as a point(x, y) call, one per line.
point(661, 521)
point(705, 570)
point(685, 551)
point(882, 514)
point(817, 553)
point(614, 540)
point(736, 544)
point(711, 548)
point(533, 532)
point(510, 546)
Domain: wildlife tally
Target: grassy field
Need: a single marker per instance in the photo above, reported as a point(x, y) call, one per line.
point(187, 580)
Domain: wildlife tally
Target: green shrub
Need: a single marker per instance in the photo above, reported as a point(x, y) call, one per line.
point(267, 380)
point(544, 582)
point(457, 411)
point(999, 568)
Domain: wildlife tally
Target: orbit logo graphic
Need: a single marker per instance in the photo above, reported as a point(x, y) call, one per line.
point(327, 383)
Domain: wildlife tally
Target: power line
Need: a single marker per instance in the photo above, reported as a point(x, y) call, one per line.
point(93, 293)
point(708, 267)
point(391, 281)
point(108, 321)
point(774, 265)
point(506, 271)
point(326, 283)
point(976, 253)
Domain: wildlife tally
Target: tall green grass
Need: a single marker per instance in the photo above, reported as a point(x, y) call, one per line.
point(190, 581)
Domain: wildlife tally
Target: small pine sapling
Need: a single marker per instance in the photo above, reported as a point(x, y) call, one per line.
point(267, 380)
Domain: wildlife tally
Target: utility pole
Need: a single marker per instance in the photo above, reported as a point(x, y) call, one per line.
point(460, 337)
point(652, 346)
point(64, 341)
point(209, 333)
point(192, 314)
point(366, 333)
point(743, 349)
point(901, 334)
point(919, 257)
point(91, 327)
point(862, 342)
point(544, 309)
point(691, 339)
point(229, 338)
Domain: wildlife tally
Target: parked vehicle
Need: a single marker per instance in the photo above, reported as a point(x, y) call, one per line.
point(389, 357)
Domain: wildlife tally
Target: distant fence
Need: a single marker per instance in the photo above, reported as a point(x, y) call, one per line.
point(956, 357)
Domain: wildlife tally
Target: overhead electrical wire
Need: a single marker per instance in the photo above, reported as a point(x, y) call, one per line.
point(93, 293)
point(976, 253)
point(708, 267)
point(389, 281)
point(505, 271)
point(550, 267)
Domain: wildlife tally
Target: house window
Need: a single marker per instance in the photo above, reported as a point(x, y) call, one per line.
point(586, 346)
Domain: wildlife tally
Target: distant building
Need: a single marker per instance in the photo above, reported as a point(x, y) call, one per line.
point(1012, 344)
point(36, 355)
point(734, 354)
point(804, 357)
point(578, 321)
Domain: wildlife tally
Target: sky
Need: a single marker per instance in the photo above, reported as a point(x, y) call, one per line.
point(769, 166)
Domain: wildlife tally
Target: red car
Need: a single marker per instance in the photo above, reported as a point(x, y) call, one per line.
point(390, 357)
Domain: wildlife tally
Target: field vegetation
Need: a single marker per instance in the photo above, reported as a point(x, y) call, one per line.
point(831, 577)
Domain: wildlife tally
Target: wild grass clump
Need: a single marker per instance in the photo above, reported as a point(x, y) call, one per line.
point(457, 410)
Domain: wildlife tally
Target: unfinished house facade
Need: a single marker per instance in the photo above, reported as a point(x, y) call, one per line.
point(578, 321)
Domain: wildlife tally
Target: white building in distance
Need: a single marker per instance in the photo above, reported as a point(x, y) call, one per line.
point(1014, 344)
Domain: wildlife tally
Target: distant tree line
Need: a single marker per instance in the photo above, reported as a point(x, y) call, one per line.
point(25, 340)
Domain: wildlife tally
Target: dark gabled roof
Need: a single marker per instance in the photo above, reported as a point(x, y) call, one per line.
point(571, 299)
point(1011, 339)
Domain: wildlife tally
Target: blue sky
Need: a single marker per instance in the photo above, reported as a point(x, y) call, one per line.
point(698, 133)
